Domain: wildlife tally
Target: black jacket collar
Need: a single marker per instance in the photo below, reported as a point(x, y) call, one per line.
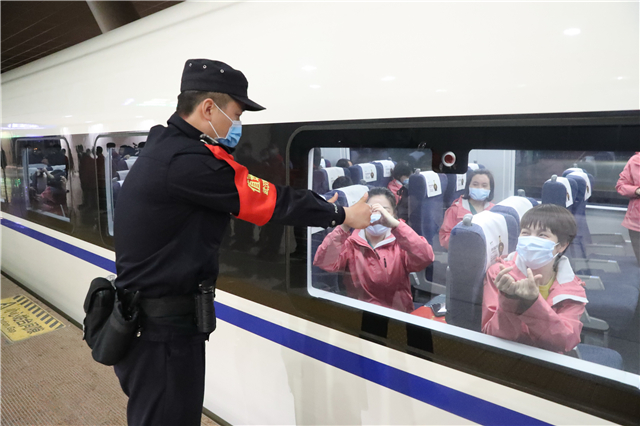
point(191, 132)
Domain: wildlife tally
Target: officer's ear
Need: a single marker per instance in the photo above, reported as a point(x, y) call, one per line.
point(207, 109)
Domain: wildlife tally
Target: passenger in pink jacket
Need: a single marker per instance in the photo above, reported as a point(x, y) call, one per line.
point(378, 259)
point(476, 198)
point(401, 173)
point(533, 297)
point(629, 186)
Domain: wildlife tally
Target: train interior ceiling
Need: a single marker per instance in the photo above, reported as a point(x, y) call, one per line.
point(601, 254)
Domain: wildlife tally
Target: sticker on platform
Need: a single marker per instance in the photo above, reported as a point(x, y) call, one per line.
point(22, 318)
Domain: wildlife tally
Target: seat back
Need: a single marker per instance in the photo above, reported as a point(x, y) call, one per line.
point(426, 203)
point(455, 188)
point(514, 206)
point(130, 161)
point(559, 191)
point(323, 179)
point(384, 169)
point(584, 182)
point(475, 244)
point(366, 172)
point(122, 174)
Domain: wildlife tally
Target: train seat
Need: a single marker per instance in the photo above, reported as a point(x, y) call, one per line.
point(323, 179)
point(426, 203)
point(475, 244)
point(384, 170)
point(364, 173)
point(515, 206)
point(559, 191)
point(130, 161)
point(122, 174)
point(455, 188)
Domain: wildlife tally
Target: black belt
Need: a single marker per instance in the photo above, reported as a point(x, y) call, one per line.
point(169, 306)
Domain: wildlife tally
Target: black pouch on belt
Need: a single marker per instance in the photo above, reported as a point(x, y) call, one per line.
point(205, 308)
point(119, 330)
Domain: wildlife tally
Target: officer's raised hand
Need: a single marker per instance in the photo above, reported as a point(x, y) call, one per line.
point(358, 215)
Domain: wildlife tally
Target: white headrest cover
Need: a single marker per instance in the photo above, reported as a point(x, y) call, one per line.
point(519, 204)
point(121, 182)
point(369, 172)
point(353, 193)
point(130, 162)
point(387, 167)
point(434, 186)
point(567, 184)
point(333, 173)
point(496, 234)
point(581, 174)
point(474, 166)
point(461, 181)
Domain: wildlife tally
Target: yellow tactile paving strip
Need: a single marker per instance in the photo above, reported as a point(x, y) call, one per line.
point(21, 318)
point(51, 379)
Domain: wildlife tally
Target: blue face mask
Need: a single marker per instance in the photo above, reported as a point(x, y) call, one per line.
point(535, 252)
point(479, 194)
point(405, 182)
point(233, 135)
point(377, 230)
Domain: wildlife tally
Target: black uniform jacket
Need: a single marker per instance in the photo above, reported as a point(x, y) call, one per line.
point(176, 203)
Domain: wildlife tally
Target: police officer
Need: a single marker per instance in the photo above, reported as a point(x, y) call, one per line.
point(169, 221)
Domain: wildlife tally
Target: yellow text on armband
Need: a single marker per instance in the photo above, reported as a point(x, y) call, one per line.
point(253, 183)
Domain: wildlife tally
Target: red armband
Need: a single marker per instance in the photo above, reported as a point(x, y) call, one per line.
point(257, 196)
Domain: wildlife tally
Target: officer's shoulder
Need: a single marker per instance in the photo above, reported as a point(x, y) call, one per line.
point(198, 153)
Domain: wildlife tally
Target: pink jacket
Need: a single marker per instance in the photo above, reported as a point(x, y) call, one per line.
point(627, 185)
point(453, 216)
point(394, 186)
point(380, 275)
point(552, 324)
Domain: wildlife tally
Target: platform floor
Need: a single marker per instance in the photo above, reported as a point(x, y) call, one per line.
point(51, 379)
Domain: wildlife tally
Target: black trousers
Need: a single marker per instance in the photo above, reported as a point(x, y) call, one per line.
point(164, 381)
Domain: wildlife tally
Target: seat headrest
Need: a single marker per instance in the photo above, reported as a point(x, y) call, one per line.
point(349, 195)
point(582, 175)
point(333, 173)
point(369, 172)
point(387, 167)
point(474, 166)
point(519, 204)
point(496, 234)
point(461, 182)
point(121, 182)
point(569, 193)
point(433, 183)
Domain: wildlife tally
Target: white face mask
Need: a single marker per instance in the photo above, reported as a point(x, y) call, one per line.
point(536, 252)
point(377, 230)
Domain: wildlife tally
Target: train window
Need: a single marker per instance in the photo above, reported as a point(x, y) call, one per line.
point(438, 244)
point(46, 172)
point(122, 150)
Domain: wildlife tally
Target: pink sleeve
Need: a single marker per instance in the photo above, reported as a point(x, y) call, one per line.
point(416, 251)
point(499, 316)
point(332, 255)
point(449, 221)
point(557, 329)
point(626, 185)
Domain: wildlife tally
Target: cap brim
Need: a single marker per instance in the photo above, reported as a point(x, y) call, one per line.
point(247, 103)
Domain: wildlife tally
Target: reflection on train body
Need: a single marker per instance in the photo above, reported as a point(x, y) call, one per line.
point(570, 292)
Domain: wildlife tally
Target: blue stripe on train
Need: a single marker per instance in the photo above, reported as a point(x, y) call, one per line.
point(432, 393)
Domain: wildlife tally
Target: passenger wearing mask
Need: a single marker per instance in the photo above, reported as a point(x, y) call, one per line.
point(476, 198)
point(378, 259)
point(629, 186)
point(401, 173)
point(533, 296)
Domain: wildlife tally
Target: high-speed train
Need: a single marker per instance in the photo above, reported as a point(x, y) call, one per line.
point(544, 95)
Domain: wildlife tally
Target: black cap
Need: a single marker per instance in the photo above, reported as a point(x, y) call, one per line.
point(206, 75)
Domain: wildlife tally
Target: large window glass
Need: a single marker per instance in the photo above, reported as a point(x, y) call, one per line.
point(118, 153)
point(45, 166)
point(528, 251)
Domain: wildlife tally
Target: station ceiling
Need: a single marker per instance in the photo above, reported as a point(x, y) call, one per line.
point(31, 30)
